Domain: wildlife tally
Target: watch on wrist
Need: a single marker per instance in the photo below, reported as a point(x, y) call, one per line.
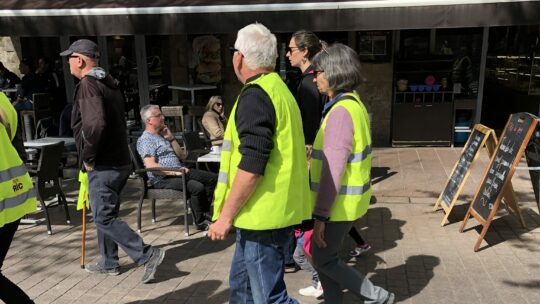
point(320, 218)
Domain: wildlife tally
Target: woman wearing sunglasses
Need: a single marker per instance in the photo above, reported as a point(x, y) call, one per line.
point(214, 120)
point(302, 47)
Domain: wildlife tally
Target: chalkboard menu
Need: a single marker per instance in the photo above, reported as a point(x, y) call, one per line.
point(462, 167)
point(480, 136)
point(532, 153)
point(496, 180)
point(515, 138)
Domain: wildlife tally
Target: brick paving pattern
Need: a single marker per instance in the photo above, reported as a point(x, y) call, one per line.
point(411, 254)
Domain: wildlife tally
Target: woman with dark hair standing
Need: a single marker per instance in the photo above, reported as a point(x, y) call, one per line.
point(341, 174)
point(302, 47)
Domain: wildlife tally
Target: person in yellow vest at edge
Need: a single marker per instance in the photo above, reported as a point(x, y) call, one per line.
point(340, 174)
point(17, 196)
point(262, 188)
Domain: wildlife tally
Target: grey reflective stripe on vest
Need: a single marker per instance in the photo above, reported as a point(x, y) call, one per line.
point(11, 173)
point(353, 158)
point(345, 190)
point(226, 146)
point(222, 177)
point(17, 200)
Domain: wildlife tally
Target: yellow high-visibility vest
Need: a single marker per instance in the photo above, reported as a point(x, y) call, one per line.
point(281, 198)
point(354, 193)
point(17, 194)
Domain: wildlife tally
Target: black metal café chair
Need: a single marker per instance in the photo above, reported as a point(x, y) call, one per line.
point(206, 136)
point(46, 178)
point(195, 146)
point(153, 194)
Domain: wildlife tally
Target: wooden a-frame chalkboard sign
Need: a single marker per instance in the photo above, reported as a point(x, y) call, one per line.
point(480, 136)
point(496, 180)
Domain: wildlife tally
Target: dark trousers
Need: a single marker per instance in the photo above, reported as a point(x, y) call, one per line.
point(200, 185)
point(104, 187)
point(9, 292)
point(356, 236)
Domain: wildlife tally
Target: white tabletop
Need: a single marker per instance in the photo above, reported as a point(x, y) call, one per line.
point(192, 87)
point(40, 142)
point(210, 158)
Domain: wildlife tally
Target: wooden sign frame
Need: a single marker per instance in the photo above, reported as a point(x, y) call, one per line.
point(490, 142)
point(506, 189)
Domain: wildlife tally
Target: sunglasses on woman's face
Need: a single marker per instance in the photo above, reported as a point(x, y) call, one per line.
point(219, 104)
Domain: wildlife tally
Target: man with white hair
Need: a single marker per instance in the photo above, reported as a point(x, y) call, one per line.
point(99, 128)
point(263, 185)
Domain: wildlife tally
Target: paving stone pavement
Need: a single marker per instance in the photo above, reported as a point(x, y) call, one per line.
point(411, 255)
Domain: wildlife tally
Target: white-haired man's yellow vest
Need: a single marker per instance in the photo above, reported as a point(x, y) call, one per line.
point(17, 194)
point(281, 198)
point(354, 194)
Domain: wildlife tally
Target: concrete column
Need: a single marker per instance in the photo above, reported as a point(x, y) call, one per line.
point(10, 53)
point(142, 70)
point(482, 76)
point(103, 52)
point(69, 81)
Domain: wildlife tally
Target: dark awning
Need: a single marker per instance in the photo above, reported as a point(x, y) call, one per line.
point(128, 17)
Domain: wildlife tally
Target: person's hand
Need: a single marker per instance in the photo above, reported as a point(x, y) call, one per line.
point(318, 234)
point(185, 170)
point(166, 133)
point(89, 167)
point(219, 230)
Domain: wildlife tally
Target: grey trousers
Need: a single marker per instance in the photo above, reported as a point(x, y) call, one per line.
point(335, 275)
point(104, 187)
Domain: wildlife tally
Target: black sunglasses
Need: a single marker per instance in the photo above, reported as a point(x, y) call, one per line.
point(290, 49)
point(317, 72)
point(233, 50)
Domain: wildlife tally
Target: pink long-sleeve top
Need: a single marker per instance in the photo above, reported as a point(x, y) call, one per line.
point(337, 147)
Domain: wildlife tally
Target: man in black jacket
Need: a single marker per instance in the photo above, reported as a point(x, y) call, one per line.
point(99, 128)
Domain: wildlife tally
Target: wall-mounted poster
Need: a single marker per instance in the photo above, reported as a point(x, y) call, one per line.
point(207, 60)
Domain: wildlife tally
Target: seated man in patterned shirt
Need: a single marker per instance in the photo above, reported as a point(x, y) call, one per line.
point(158, 148)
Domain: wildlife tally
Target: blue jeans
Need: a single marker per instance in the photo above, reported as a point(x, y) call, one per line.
point(104, 187)
point(258, 266)
point(302, 261)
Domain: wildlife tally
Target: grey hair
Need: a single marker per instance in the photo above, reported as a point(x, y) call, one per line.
point(145, 110)
point(258, 45)
point(341, 67)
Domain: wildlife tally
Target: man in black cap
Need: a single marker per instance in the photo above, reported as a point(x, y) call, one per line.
point(99, 129)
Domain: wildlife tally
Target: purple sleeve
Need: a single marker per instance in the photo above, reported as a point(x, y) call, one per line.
point(337, 147)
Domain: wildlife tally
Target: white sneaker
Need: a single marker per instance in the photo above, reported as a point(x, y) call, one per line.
point(358, 250)
point(312, 291)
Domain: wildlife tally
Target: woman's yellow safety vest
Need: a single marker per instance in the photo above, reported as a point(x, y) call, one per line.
point(17, 194)
point(354, 193)
point(281, 198)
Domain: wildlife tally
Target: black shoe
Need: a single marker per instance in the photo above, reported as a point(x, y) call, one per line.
point(96, 269)
point(207, 217)
point(204, 225)
point(291, 268)
point(151, 266)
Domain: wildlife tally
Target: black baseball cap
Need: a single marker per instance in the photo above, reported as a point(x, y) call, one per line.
point(84, 47)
